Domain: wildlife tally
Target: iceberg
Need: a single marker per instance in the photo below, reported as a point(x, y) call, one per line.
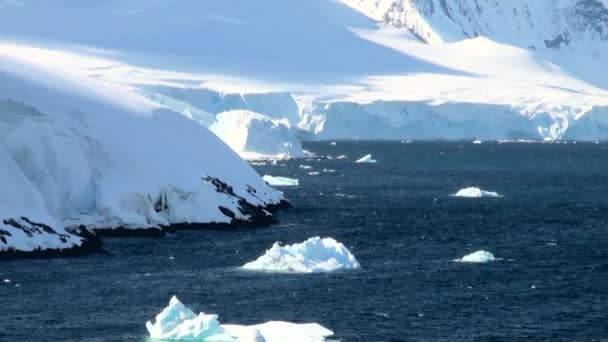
point(477, 142)
point(312, 255)
point(478, 257)
point(280, 181)
point(473, 192)
point(366, 159)
point(177, 322)
point(257, 136)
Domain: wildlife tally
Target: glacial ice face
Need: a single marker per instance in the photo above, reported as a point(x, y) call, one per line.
point(366, 159)
point(313, 255)
point(281, 181)
point(257, 136)
point(478, 257)
point(178, 323)
point(473, 192)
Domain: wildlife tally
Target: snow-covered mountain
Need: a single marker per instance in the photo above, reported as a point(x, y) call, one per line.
point(78, 152)
point(401, 69)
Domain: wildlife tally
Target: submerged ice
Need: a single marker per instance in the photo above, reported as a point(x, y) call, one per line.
point(177, 322)
point(473, 192)
point(312, 255)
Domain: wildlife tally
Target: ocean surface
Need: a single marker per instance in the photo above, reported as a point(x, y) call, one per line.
point(397, 217)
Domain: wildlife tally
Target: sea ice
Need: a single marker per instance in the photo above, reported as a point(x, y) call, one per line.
point(366, 159)
point(281, 181)
point(479, 257)
point(474, 192)
point(179, 323)
point(314, 173)
point(313, 255)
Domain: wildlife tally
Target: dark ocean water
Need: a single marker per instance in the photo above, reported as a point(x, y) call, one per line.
point(398, 219)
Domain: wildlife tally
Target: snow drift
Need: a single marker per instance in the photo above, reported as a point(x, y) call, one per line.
point(77, 151)
point(179, 323)
point(312, 255)
point(257, 136)
point(473, 192)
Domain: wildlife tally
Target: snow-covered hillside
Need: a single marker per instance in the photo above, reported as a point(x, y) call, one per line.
point(76, 151)
point(400, 69)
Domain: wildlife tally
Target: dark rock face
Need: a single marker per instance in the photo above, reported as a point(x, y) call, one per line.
point(594, 16)
point(559, 41)
point(90, 243)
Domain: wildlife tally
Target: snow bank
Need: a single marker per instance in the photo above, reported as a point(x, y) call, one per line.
point(478, 257)
point(473, 192)
point(313, 255)
point(280, 181)
point(179, 323)
point(257, 136)
point(366, 159)
point(102, 157)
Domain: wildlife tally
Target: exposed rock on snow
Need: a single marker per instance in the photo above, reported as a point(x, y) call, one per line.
point(257, 136)
point(366, 159)
point(473, 192)
point(313, 255)
point(281, 181)
point(179, 323)
point(478, 257)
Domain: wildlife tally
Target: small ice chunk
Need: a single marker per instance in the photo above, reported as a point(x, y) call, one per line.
point(280, 181)
point(366, 159)
point(477, 141)
point(329, 170)
point(341, 157)
point(305, 167)
point(333, 143)
point(314, 173)
point(7, 281)
point(312, 255)
point(479, 256)
point(473, 192)
point(277, 331)
point(178, 323)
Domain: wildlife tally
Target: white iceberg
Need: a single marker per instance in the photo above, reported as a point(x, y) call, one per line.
point(341, 157)
point(280, 181)
point(313, 255)
point(473, 192)
point(313, 173)
point(477, 142)
point(305, 167)
point(366, 159)
point(179, 323)
point(478, 257)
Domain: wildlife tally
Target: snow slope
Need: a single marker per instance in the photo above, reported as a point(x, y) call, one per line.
point(418, 69)
point(95, 154)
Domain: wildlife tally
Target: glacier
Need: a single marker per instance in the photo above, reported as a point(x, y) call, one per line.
point(177, 322)
point(310, 256)
point(419, 69)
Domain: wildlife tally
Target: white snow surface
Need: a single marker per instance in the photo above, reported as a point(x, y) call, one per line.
point(257, 136)
point(422, 69)
point(179, 323)
point(478, 257)
point(281, 181)
point(312, 255)
point(366, 159)
point(473, 192)
point(77, 150)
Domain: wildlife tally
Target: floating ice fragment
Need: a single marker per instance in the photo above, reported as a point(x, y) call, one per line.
point(333, 143)
point(7, 281)
point(341, 157)
point(305, 167)
point(281, 181)
point(329, 170)
point(473, 192)
point(366, 159)
point(479, 257)
point(179, 323)
point(477, 142)
point(314, 173)
point(313, 255)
